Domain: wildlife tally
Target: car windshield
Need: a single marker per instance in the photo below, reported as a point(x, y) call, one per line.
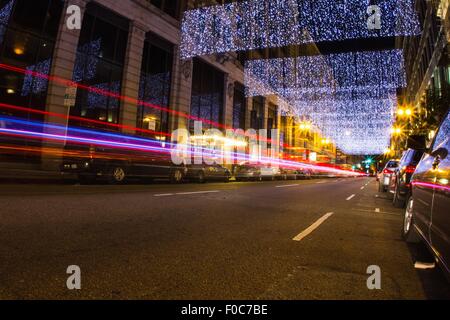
point(417, 156)
point(392, 164)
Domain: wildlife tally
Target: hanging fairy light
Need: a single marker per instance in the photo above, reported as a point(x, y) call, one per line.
point(350, 97)
point(5, 13)
point(256, 24)
point(324, 75)
point(355, 126)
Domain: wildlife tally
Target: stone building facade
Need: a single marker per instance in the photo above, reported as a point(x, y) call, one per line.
point(130, 49)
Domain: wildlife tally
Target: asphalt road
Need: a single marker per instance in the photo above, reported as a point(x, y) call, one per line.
point(211, 241)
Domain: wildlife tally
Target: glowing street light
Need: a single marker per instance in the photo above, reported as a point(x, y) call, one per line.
point(396, 131)
point(305, 126)
point(404, 112)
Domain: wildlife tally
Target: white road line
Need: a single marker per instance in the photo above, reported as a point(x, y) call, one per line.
point(312, 227)
point(351, 197)
point(321, 182)
point(163, 195)
point(362, 188)
point(377, 210)
point(424, 265)
point(196, 192)
point(287, 186)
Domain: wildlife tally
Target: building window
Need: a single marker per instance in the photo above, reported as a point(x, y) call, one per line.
point(257, 113)
point(171, 7)
point(154, 88)
point(28, 31)
point(99, 63)
point(239, 106)
point(271, 119)
point(207, 94)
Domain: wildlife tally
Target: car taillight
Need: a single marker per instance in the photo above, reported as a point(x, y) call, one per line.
point(91, 152)
point(387, 171)
point(410, 169)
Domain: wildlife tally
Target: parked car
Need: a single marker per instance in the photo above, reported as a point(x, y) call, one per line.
point(400, 185)
point(202, 173)
point(288, 174)
point(91, 163)
point(427, 214)
point(247, 172)
point(304, 174)
point(270, 172)
point(384, 177)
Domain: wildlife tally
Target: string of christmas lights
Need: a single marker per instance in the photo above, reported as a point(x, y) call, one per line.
point(257, 24)
point(326, 74)
point(355, 126)
point(5, 13)
point(350, 97)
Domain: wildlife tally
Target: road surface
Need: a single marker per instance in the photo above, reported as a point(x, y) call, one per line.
point(272, 240)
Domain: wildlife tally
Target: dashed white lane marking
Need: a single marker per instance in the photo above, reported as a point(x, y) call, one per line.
point(424, 265)
point(362, 188)
point(287, 186)
point(351, 197)
point(196, 192)
point(321, 182)
point(377, 210)
point(312, 227)
point(184, 193)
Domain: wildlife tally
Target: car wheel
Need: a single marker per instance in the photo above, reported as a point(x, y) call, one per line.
point(396, 201)
point(201, 177)
point(176, 176)
point(117, 175)
point(409, 233)
point(227, 179)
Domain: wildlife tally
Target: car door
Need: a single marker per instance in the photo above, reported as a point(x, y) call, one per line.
point(397, 173)
point(423, 192)
point(440, 219)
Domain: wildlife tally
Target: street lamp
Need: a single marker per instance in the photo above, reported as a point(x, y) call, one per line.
point(305, 126)
point(405, 112)
point(396, 131)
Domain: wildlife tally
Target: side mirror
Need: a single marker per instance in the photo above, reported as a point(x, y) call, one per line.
point(438, 155)
point(441, 153)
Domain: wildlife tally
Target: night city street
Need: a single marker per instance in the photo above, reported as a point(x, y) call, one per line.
point(229, 241)
point(224, 159)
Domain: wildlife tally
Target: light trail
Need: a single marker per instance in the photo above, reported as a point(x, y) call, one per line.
point(147, 146)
